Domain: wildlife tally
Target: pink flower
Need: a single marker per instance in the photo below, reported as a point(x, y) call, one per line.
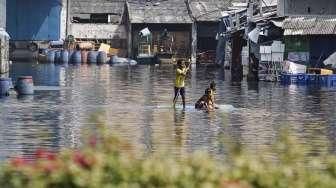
point(82, 160)
point(44, 154)
point(19, 162)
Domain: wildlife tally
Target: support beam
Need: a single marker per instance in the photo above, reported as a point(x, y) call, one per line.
point(237, 43)
point(193, 42)
point(129, 41)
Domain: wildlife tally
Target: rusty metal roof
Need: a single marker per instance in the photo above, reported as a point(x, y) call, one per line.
point(310, 25)
point(97, 6)
point(208, 10)
point(158, 11)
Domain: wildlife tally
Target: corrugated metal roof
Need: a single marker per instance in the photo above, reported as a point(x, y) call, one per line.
point(270, 3)
point(208, 10)
point(309, 25)
point(97, 6)
point(158, 11)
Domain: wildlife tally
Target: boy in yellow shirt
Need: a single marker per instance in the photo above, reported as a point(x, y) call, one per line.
point(181, 73)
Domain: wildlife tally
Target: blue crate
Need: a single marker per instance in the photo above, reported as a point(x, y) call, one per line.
point(285, 78)
point(313, 79)
point(323, 79)
point(301, 78)
point(332, 80)
point(328, 80)
point(294, 78)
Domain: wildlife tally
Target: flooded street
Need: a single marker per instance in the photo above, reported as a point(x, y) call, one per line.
point(136, 104)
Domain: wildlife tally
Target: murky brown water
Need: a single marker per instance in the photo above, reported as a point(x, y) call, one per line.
point(136, 103)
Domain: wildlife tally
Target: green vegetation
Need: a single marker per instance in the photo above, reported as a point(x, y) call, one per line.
point(106, 161)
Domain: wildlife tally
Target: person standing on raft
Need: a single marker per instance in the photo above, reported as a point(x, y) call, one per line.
point(181, 73)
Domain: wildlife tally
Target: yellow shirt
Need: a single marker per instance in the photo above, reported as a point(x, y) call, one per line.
point(180, 77)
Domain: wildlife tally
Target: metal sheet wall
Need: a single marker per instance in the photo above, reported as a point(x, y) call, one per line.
point(34, 19)
point(2, 13)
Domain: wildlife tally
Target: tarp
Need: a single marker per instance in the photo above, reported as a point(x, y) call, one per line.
point(294, 68)
point(145, 32)
point(254, 35)
point(331, 60)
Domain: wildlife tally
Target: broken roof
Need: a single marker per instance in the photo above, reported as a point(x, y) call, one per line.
point(269, 3)
point(208, 10)
point(158, 11)
point(97, 6)
point(310, 25)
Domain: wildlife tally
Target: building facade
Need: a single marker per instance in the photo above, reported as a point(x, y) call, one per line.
point(306, 7)
point(169, 25)
point(309, 30)
point(32, 24)
point(99, 21)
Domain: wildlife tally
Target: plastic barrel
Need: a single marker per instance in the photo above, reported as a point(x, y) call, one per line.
point(101, 57)
point(92, 57)
point(51, 56)
point(64, 56)
point(76, 57)
point(25, 85)
point(5, 84)
point(84, 55)
point(112, 59)
point(57, 56)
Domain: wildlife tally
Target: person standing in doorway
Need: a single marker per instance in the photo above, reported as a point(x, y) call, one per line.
point(181, 73)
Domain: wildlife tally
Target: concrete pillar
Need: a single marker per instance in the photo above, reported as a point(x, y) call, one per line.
point(64, 19)
point(4, 39)
point(236, 64)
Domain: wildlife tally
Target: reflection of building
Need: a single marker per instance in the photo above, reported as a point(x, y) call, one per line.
point(169, 24)
point(99, 21)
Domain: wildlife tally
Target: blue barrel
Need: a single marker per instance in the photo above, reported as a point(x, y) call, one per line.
point(5, 84)
point(64, 56)
point(92, 57)
point(25, 85)
point(57, 56)
point(76, 57)
point(101, 57)
point(51, 56)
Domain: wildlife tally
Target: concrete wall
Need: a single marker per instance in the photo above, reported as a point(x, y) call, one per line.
point(3, 39)
point(98, 31)
point(306, 7)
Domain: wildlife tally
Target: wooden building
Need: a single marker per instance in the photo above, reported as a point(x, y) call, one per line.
point(206, 14)
point(99, 21)
point(170, 28)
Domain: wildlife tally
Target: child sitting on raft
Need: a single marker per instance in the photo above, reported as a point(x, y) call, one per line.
point(205, 103)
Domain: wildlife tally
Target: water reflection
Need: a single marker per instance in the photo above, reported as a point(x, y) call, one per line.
point(136, 104)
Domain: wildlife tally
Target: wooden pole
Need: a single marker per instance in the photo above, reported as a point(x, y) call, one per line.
point(236, 64)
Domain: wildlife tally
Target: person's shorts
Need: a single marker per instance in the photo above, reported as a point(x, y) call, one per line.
point(180, 90)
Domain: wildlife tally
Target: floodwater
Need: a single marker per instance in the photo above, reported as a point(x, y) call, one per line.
point(135, 102)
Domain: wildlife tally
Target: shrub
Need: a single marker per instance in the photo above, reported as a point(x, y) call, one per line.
point(106, 161)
